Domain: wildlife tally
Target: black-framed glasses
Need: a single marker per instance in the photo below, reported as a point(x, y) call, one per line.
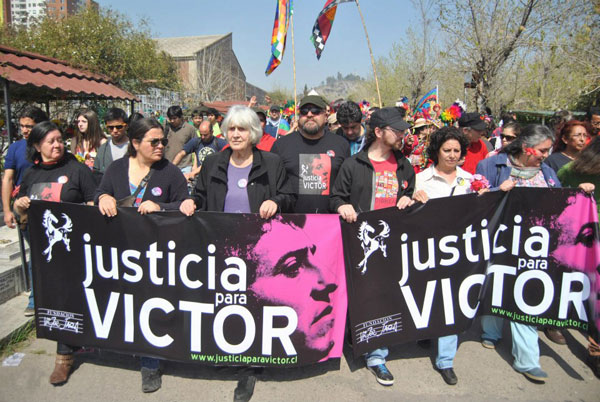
point(155, 141)
point(507, 137)
point(315, 110)
point(115, 127)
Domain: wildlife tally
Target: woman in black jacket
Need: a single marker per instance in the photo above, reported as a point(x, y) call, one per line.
point(143, 179)
point(241, 178)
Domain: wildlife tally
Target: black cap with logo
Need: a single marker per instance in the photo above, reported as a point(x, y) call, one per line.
point(472, 120)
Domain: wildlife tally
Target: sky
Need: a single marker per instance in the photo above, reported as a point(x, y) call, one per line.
point(251, 22)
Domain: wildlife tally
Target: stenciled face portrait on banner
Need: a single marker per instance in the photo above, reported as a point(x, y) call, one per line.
point(578, 245)
point(296, 266)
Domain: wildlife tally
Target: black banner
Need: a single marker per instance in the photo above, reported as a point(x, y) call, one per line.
point(530, 255)
point(214, 288)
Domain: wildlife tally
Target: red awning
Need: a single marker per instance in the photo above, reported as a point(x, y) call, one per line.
point(31, 69)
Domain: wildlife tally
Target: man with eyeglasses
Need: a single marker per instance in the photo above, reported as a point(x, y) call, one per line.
point(115, 120)
point(312, 156)
point(178, 132)
point(377, 177)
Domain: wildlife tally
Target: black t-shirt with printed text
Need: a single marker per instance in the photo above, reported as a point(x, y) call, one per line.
point(312, 166)
point(65, 181)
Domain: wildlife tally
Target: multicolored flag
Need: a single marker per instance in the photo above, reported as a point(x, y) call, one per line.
point(323, 25)
point(426, 103)
point(283, 13)
point(283, 128)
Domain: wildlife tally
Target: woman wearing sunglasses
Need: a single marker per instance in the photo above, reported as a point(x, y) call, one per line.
point(510, 131)
point(143, 179)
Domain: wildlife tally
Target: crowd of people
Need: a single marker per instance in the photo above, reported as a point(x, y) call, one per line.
point(334, 158)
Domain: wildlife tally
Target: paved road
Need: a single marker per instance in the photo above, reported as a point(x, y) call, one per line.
point(483, 375)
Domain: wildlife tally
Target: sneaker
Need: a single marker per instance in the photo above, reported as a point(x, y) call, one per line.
point(449, 376)
point(29, 312)
point(536, 375)
point(151, 380)
point(488, 344)
point(382, 374)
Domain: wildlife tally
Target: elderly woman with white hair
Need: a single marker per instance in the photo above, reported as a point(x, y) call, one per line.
point(241, 178)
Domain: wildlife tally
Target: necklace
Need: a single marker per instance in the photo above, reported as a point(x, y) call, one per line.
point(568, 156)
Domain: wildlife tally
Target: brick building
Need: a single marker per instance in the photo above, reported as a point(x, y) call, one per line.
point(208, 67)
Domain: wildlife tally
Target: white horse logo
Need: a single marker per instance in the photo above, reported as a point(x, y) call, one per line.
point(371, 244)
point(56, 234)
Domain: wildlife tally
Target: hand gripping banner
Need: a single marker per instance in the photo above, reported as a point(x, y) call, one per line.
point(530, 255)
point(216, 288)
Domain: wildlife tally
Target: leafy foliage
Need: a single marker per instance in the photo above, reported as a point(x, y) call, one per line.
point(101, 41)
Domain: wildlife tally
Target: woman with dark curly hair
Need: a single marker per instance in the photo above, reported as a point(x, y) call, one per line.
point(444, 178)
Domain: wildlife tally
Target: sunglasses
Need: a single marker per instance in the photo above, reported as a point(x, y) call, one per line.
point(507, 137)
point(314, 110)
point(155, 141)
point(116, 127)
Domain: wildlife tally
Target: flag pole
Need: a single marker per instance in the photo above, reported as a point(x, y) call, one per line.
point(371, 52)
point(437, 94)
point(294, 63)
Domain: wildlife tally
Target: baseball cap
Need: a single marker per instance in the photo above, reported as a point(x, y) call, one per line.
point(274, 108)
point(389, 116)
point(313, 100)
point(472, 120)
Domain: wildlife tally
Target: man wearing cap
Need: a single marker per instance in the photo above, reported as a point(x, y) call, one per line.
point(312, 156)
point(422, 129)
point(379, 176)
point(266, 141)
point(473, 127)
point(273, 121)
point(350, 117)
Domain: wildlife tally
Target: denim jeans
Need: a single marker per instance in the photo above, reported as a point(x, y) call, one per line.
point(25, 234)
point(446, 351)
point(525, 348)
point(376, 357)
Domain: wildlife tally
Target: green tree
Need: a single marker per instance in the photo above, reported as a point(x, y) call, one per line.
point(279, 96)
point(101, 41)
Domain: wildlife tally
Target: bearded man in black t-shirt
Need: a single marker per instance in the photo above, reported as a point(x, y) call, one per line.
point(312, 156)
